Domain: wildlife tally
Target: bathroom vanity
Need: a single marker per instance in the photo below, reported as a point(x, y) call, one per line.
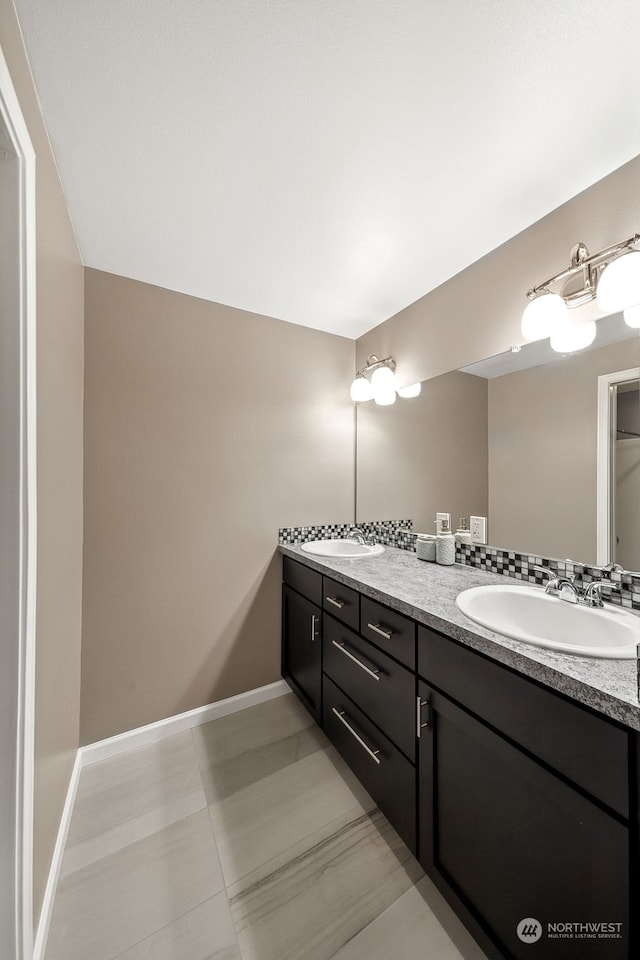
point(510, 772)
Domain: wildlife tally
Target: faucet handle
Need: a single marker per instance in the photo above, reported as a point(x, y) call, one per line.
point(593, 592)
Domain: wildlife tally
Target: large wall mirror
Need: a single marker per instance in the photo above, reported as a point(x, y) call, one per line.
point(515, 438)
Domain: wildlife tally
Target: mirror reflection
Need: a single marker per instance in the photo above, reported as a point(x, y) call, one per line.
point(515, 438)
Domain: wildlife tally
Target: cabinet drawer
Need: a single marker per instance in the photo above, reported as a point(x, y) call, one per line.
point(341, 602)
point(389, 630)
point(381, 768)
point(582, 747)
point(305, 581)
point(380, 686)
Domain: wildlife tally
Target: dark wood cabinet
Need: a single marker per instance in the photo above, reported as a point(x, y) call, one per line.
point(506, 839)
point(382, 688)
point(389, 630)
point(521, 804)
point(382, 769)
point(341, 602)
point(302, 649)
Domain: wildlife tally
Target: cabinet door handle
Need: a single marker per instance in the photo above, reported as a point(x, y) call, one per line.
point(387, 634)
point(337, 603)
point(419, 724)
point(313, 627)
point(342, 648)
point(372, 753)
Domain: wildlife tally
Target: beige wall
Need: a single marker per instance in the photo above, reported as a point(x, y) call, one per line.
point(206, 429)
point(477, 313)
point(60, 387)
point(425, 455)
point(542, 453)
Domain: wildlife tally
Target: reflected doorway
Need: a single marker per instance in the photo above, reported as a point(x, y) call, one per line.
point(619, 468)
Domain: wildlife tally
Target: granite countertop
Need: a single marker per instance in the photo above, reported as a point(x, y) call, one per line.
point(426, 592)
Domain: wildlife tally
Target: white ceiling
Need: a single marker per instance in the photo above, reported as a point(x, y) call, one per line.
point(326, 162)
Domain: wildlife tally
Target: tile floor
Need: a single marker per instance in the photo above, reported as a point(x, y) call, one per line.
point(245, 839)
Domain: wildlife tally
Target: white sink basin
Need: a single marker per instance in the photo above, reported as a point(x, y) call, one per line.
point(531, 615)
point(342, 548)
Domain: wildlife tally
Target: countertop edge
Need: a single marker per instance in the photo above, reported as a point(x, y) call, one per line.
point(483, 641)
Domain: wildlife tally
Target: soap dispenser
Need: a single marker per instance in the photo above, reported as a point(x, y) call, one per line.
point(445, 545)
point(463, 534)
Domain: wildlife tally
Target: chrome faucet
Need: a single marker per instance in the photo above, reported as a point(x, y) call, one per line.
point(593, 592)
point(558, 586)
point(358, 535)
point(572, 589)
point(565, 588)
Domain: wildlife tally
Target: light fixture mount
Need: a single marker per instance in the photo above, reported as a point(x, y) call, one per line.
point(582, 275)
point(610, 277)
point(374, 363)
point(376, 381)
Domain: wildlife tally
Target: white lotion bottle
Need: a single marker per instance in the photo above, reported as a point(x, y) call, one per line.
point(445, 546)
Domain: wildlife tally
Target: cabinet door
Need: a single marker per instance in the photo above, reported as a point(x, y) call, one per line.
point(302, 649)
point(507, 840)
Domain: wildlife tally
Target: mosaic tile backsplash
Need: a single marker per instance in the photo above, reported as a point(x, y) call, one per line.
point(624, 589)
point(391, 533)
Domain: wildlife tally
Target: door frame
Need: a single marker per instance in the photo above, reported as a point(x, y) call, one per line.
point(23, 416)
point(604, 475)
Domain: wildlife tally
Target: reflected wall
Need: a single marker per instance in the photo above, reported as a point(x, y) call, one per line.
point(516, 445)
point(424, 455)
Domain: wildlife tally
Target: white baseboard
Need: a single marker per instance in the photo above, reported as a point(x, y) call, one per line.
point(46, 910)
point(103, 749)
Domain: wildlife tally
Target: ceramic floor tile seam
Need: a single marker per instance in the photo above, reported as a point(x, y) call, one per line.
point(223, 779)
point(166, 926)
point(130, 784)
point(267, 824)
point(296, 860)
point(144, 888)
point(229, 761)
point(416, 916)
point(85, 852)
point(365, 830)
point(257, 726)
point(327, 898)
point(267, 899)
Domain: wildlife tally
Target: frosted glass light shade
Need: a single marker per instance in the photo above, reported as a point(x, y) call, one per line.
point(619, 285)
point(385, 396)
point(632, 316)
point(542, 315)
point(361, 390)
point(383, 378)
point(411, 391)
point(571, 336)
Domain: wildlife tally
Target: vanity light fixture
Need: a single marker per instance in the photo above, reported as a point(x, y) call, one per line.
point(610, 277)
point(377, 381)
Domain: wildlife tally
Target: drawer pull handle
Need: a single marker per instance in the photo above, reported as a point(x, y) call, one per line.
point(419, 724)
point(341, 647)
point(337, 603)
point(372, 753)
point(313, 627)
point(387, 634)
